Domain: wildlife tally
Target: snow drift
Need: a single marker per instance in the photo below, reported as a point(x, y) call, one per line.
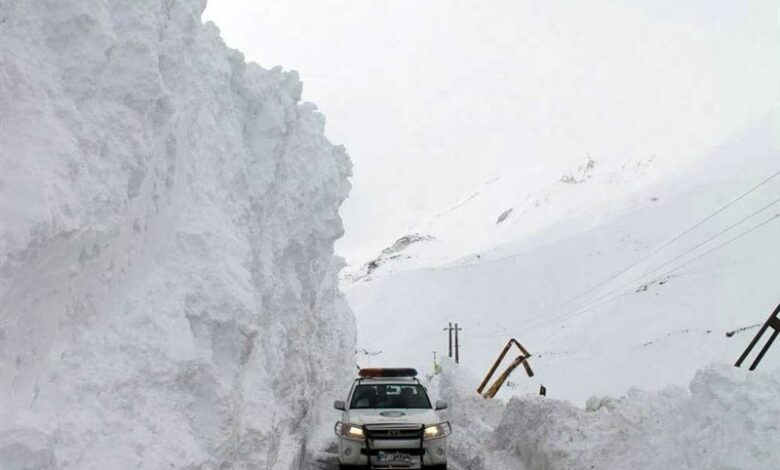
point(168, 219)
point(727, 419)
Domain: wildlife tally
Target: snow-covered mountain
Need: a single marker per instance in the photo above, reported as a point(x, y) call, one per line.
point(168, 219)
point(603, 272)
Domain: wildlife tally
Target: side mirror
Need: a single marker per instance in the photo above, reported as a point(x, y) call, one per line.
point(441, 405)
point(339, 405)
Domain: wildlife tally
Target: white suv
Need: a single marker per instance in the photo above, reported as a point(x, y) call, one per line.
point(388, 422)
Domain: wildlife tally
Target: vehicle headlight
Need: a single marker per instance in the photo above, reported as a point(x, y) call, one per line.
point(436, 431)
point(350, 431)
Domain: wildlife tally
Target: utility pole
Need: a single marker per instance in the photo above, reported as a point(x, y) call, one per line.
point(772, 322)
point(457, 348)
point(449, 330)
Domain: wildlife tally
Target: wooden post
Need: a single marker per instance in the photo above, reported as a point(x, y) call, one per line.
point(772, 322)
point(449, 332)
point(457, 346)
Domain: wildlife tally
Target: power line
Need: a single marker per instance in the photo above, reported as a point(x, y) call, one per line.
point(579, 311)
point(670, 241)
point(608, 293)
point(574, 313)
point(710, 238)
point(719, 246)
point(664, 245)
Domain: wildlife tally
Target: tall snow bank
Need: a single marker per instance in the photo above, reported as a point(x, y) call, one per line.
point(473, 419)
point(726, 419)
point(169, 297)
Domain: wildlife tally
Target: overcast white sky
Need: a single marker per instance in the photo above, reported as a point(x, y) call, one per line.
point(433, 97)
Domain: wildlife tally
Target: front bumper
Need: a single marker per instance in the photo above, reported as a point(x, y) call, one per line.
point(388, 441)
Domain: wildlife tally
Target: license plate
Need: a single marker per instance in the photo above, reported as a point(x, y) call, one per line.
point(394, 458)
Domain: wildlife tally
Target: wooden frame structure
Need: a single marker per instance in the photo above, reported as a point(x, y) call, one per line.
point(521, 359)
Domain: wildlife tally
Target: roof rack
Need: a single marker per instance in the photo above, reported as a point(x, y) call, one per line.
point(374, 373)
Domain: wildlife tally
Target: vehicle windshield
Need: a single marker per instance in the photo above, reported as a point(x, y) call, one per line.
point(390, 396)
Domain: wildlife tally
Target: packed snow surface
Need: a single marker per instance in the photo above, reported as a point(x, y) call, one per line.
point(169, 288)
point(726, 418)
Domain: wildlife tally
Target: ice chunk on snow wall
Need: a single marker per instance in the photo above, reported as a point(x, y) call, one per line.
point(168, 219)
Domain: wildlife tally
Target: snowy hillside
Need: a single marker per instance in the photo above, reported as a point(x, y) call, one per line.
point(613, 276)
point(168, 219)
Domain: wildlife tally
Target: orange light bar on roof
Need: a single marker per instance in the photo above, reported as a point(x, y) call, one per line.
point(383, 372)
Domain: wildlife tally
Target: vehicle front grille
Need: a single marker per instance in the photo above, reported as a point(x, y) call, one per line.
point(394, 431)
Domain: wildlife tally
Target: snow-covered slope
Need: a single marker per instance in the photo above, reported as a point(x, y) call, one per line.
point(724, 419)
point(593, 270)
point(168, 218)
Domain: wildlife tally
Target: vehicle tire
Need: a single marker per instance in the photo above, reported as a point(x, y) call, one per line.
point(352, 467)
point(435, 467)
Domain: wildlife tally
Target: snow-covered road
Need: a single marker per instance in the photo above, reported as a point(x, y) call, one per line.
point(328, 460)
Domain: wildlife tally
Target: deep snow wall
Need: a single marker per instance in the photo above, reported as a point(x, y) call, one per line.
point(169, 292)
point(726, 419)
